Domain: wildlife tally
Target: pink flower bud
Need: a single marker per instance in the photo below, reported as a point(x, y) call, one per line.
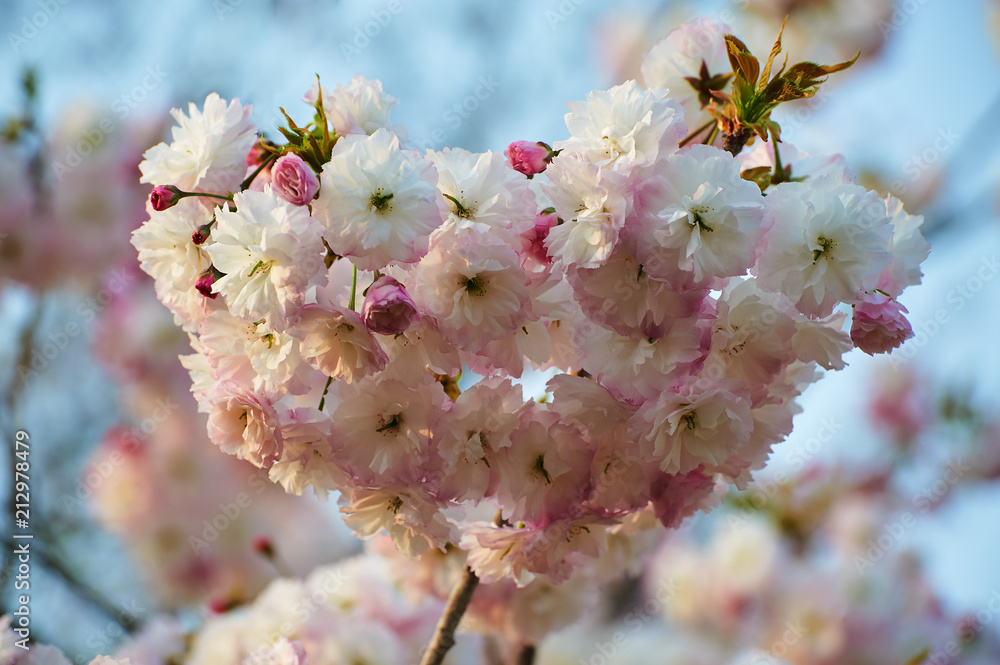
point(544, 221)
point(528, 158)
point(879, 325)
point(258, 153)
point(201, 235)
point(164, 196)
point(204, 284)
point(222, 605)
point(294, 180)
point(388, 308)
point(262, 545)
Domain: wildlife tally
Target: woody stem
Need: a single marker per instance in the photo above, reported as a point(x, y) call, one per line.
point(444, 634)
point(735, 141)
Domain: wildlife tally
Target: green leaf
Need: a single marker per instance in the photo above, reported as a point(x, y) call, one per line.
point(743, 63)
point(760, 175)
point(766, 74)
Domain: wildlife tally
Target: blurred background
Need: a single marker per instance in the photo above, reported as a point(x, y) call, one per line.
point(882, 506)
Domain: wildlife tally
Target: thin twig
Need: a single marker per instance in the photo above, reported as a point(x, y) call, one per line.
point(444, 634)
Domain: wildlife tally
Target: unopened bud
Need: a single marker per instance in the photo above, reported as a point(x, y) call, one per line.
point(164, 196)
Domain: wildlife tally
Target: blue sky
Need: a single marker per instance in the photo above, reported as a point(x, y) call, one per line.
point(938, 77)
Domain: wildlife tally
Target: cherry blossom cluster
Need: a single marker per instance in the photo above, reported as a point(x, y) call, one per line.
point(187, 516)
point(361, 313)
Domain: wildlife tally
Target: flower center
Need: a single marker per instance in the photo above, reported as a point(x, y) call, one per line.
point(460, 210)
point(538, 469)
point(380, 201)
point(476, 286)
point(475, 448)
point(390, 424)
point(695, 218)
point(825, 245)
point(263, 266)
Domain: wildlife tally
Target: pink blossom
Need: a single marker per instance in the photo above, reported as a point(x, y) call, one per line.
point(527, 157)
point(335, 341)
point(544, 221)
point(388, 308)
point(676, 497)
point(879, 325)
point(244, 423)
point(257, 155)
point(163, 197)
point(204, 285)
point(294, 180)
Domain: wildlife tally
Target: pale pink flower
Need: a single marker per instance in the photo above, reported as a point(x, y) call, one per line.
point(360, 107)
point(623, 295)
point(545, 470)
point(307, 457)
point(828, 244)
point(474, 288)
point(412, 519)
point(624, 127)
point(336, 341)
point(700, 206)
point(388, 308)
point(483, 196)
point(822, 341)
point(592, 204)
point(680, 56)
point(879, 324)
point(698, 421)
point(294, 180)
point(379, 203)
point(208, 150)
point(677, 497)
point(386, 425)
point(552, 549)
point(244, 424)
point(637, 366)
point(283, 652)
point(527, 157)
point(751, 337)
point(478, 424)
point(908, 247)
point(270, 252)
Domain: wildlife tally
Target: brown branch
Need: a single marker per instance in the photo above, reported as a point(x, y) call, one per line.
point(734, 142)
point(444, 634)
point(527, 655)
